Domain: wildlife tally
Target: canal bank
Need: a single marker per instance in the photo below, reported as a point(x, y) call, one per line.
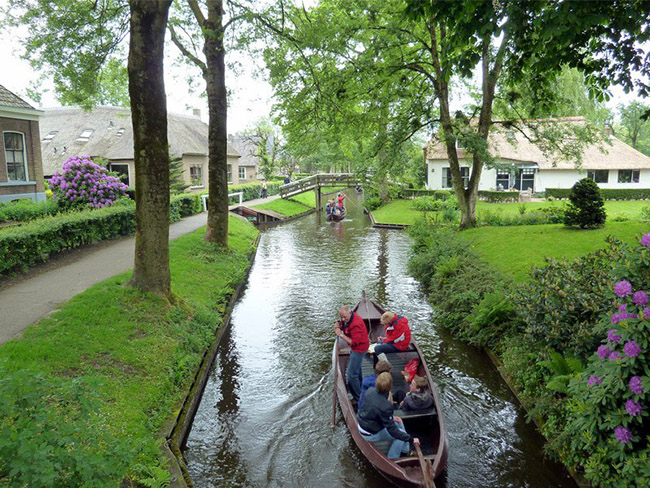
point(264, 416)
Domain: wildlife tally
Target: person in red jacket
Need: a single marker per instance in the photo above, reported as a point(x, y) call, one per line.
point(351, 329)
point(398, 334)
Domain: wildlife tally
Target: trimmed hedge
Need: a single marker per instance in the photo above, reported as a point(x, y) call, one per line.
point(499, 196)
point(32, 243)
point(27, 209)
point(253, 190)
point(606, 193)
point(24, 246)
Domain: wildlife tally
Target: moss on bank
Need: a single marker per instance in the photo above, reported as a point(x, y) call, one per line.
point(87, 390)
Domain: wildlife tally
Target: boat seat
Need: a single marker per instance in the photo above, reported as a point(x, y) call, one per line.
point(411, 414)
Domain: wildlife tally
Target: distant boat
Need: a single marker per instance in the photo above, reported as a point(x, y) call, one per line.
point(427, 425)
point(336, 217)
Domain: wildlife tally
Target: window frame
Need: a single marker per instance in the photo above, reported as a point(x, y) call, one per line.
point(128, 172)
point(633, 173)
point(593, 175)
point(193, 182)
point(500, 174)
point(24, 152)
point(229, 173)
point(447, 178)
point(242, 169)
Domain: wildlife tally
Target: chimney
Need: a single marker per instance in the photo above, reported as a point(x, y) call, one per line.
point(608, 129)
point(196, 112)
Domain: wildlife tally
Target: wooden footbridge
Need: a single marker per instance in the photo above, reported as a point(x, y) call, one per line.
point(316, 182)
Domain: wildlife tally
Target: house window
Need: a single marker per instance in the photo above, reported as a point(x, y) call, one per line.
point(446, 177)
point(503, 180)
point(196, 175)
point(122, 171)
point(15, 156)
point(628, 175)
point(526, 179)
point(50, 135)
point(85, 135)
point(599, 175)
point(229, 166)
point(242, 173)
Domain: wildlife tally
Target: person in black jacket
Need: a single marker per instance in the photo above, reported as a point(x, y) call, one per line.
point(376, 420)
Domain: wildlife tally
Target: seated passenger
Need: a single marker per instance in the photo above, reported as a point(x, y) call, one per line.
point(398, 334)
point(376, 420)
point(417, 398)
point(328, 209)
point(369, 381)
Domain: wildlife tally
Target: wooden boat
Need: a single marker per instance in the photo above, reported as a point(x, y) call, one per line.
point(336, 217)
point(426, 425)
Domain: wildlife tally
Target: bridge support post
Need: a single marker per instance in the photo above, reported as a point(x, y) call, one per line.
point(319, 205)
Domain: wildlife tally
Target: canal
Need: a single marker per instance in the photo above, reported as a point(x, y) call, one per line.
point(264, 419)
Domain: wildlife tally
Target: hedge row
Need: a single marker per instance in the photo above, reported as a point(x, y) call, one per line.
point(437, 194)
point(253, 190)
point(499, 196)
point(26, 209)
point(607, 193)
point(24, 246)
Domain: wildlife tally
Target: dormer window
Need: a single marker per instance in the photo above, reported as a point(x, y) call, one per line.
point(50, 135)
point(120, 132)
point(85, 135)
point(510, 135)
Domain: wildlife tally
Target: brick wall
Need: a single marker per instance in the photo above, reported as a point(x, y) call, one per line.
point(33, 150)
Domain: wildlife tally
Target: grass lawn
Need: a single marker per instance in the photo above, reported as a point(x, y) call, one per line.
point(513, 250)
point(287, 208)
point(397, 212)
point(400, 211)
point(309, 197)
point(86, 392)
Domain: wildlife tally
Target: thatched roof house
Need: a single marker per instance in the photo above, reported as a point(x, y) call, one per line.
point(523, 165)
point(107, 132)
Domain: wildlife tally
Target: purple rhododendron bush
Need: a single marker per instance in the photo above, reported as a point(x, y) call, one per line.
point(84, 183)
point(608, 429)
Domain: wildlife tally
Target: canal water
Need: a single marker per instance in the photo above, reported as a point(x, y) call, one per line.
point(265, 417)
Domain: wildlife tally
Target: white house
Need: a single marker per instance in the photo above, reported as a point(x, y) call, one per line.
point(107, 132)
point(522, 165)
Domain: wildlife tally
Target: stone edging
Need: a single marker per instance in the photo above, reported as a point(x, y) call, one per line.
point(176, 434)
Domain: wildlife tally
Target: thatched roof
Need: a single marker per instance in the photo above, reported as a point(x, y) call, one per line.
point(616, 155)
point(247, 147)
point(110, 135)
point(9, 99)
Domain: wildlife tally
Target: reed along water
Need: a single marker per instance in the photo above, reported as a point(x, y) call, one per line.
point(265, 416)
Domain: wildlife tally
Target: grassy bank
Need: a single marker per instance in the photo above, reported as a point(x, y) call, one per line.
point(514, 250)
point(401, 211)
point(87, 390)
point(288, 208)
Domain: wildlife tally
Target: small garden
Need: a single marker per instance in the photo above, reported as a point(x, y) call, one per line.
point(87, 391)
point(571, 335)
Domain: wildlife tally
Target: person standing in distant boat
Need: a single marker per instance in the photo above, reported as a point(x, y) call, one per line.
point(398, 334)
point(352, 330)
point(341, 197)
point(264, 190)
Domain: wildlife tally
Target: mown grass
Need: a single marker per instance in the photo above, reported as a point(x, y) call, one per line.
point(288, 208)
point(140, 349)
point(400, 211)
point(309, 198)
point(514, 250)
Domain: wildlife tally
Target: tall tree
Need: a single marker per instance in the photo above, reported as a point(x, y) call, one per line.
point(634, 127)
point(397, 65)
point(148, 24)
point(207, 21)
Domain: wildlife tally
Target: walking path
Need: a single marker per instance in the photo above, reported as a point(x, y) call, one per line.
point(27, 300)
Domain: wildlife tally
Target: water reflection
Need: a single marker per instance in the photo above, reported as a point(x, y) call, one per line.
point(264, 419)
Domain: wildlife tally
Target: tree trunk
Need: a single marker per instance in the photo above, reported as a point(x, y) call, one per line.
point(151, 153)
point(215, 78)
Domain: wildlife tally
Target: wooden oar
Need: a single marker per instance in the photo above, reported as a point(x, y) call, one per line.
point(425, 466)
point(336, 378)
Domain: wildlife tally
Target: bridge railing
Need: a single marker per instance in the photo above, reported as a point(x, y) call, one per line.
point(311, 182)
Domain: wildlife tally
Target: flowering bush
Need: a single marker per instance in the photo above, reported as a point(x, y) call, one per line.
point(608, 432)
point(84, 183)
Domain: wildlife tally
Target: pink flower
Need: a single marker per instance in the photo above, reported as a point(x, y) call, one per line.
point(623, 288)
point(640, 298)
point(645, 240)
point(632, 349)
point(612, 335)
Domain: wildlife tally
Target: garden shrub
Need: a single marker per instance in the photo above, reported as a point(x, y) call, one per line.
point(609, 428)
point(442, 194)
point(498, 196)
point(493, 317)
point(372, 203)
point(53, 434)
point(253, 190)
point(562, 303)
point(181, 206)
point(427, 204)
point(586, 208)
point(27, 209)
point(35, 241)
point(606, 193)
point(550, 215)
point(83, 183)
point(645, 214)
